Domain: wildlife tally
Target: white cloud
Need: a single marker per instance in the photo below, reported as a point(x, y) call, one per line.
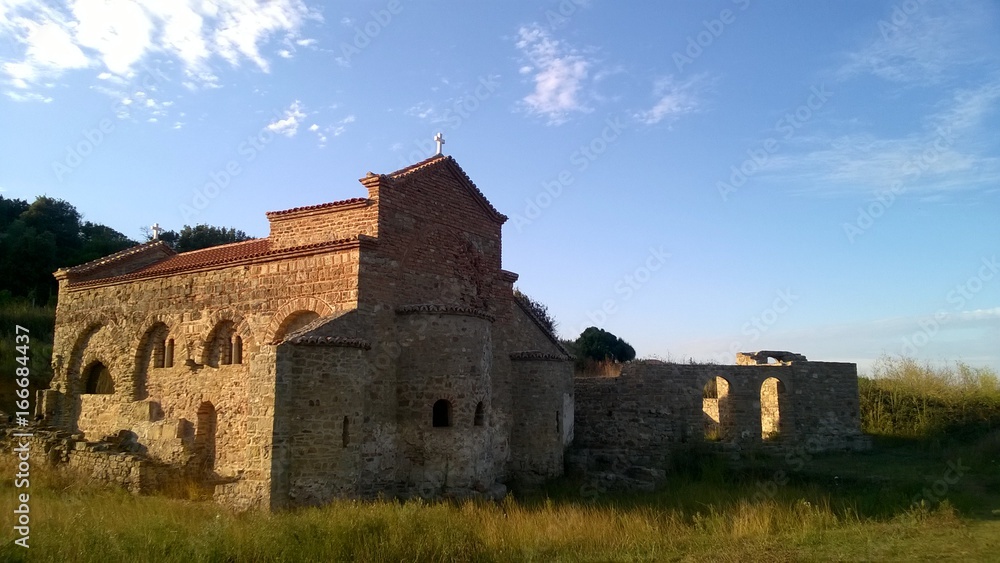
point(423, 110)
point(341, 125)
point(314, 127)
point(115, 36)
point(926, 46)
point(305, 42)
point(558, 73)
point(949, 151)
point(27, 97)
point(289, 125)
point(285, 54)
point(674, 99)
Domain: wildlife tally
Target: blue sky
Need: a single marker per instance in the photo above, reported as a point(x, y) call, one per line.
point(698, 177)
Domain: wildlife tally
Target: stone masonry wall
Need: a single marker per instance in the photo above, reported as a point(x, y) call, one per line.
point(193, 409)
point(644, 415)
point(319, 395)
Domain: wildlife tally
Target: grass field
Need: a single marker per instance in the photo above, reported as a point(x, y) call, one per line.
point(928, 491)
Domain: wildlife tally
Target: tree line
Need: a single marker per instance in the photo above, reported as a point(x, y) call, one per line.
point(40, 237)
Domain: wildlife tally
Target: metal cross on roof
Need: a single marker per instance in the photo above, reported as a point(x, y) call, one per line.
point(156, 230)
point(439, 139)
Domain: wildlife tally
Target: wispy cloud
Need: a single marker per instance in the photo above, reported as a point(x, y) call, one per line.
point(673, 99)
point(558, 72)
point(938, 52)
point(289, 124)
point(952, 149)
point(113, 36)
point(337, 129)
point(924, 46)
point(961, 335)
point(27, 97)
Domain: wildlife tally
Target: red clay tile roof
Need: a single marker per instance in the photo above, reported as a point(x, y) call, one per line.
point(343, 202)
point(121, 254)
point(218, 256)
point(414, 167)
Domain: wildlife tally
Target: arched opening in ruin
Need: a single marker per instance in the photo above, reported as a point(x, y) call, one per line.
point(294, 323)
point(770, 408)
point(97, 380)
point(442, 413)
point(717, 409)
point(480, 417)
point(204, 437)
point(346, 433)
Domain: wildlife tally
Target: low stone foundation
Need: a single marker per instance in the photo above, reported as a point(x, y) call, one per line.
point(103, 461)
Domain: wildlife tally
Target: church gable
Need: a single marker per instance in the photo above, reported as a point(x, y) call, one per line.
point(120, 263)
point(440, 187)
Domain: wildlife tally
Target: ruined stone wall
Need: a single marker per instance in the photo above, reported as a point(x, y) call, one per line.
point(199, 409)
point(646, 413)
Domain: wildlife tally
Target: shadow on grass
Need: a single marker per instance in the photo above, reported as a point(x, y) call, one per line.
point(961, 469)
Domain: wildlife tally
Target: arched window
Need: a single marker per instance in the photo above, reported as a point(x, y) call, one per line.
point(98, 381)
point(442, 414)
point(168, 353)
point(480, 418)
point(237, 349)
point(220, 348)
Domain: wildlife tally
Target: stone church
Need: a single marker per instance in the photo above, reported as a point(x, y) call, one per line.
point(373, 346)
point(366, 346)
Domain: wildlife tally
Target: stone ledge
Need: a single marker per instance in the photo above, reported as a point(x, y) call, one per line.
point(444, 310)
point(338, 341)
point(528, 355)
